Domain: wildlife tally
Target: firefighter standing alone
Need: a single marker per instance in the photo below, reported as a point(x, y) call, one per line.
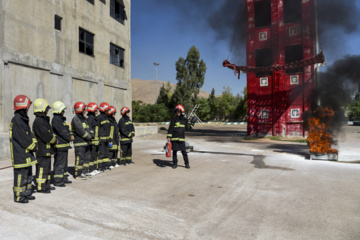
point(176, 134)
point(127, 132)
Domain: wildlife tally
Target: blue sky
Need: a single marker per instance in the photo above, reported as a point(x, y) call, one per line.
point(161, 33)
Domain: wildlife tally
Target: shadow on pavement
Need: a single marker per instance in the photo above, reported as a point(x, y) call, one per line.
point(223, 153)
point(295, 149)
point(259, 163)
point(162, 163)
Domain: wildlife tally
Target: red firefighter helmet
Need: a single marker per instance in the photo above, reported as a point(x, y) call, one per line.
point(112, 110)
point(180, 107)
point(21, 102)
point(104, 106)
point(91, 107)
point(125, 110)
point(79, 107)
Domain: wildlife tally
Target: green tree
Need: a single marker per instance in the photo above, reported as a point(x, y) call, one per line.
point(190, 75)
point(226, 104)
point(354, 111)
point(151, 113)
point(136, 108)
point(204, 109)
point(163, 96)
point(213, 105)
point(240, 112)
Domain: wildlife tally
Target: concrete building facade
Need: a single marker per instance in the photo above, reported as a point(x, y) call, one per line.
point(64, 50)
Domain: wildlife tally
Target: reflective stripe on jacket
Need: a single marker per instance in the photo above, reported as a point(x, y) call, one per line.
point(177, 128)
point(81, 131)
point(22, 142)
point(45, 136)
point(126, 129)
point(94, 128)
point(62, 132)
point(104, 127)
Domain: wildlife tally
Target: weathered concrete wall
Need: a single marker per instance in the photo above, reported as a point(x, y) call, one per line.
point(145, 130)
point(41, 62)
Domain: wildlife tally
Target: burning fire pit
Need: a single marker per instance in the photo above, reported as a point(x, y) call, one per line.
point(320, 139)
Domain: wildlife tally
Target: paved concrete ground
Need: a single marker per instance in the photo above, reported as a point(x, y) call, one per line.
point(235, 189)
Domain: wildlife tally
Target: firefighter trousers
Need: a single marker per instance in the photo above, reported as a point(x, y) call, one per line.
point(126, 153)
point(94, 158)
point(104, 155)
point(113, 157)
point(60, 163)
point(22, 183)
point(43, 168)
point(185, 156)
point(82, 159)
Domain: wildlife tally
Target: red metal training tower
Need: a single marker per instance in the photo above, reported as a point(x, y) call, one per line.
point(280, 51)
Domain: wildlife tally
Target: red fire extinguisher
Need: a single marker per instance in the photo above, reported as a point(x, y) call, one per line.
point(168, 149)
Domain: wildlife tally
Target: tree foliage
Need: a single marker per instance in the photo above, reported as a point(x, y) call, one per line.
point(190, 75)
point(150, 112)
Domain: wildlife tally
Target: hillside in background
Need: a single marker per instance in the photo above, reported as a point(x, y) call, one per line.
point(146, 90)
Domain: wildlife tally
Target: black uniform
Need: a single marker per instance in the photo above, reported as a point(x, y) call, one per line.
point(127, 132)
point(46, 140)
point(176, 133)
point(104, 136)
point(22, 146)
point(81, 131)
point(114, 139)
point(94, 131)
point(63, 134)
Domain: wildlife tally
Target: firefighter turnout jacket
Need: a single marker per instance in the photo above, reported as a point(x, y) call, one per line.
point(104, 127)
point(81, 131)
point(114, 133)
point(94, 128)
point(177, 128)
point(62, 132)
point(45, 136)
point(127, 130)
point(22, 141)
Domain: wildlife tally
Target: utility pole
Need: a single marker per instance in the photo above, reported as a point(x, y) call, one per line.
point(156, 65)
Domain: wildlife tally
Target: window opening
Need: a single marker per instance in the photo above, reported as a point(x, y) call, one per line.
point(86, 42)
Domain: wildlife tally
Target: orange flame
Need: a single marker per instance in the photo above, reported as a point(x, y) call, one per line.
point(319, 138)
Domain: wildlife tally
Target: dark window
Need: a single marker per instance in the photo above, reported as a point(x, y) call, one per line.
point(91, 1)
point(293, 53)
point(103, 1)
point(264, 58)
point(57, 22)
point(117, 10)
point(262, 13)
point(292, 11)
point(86, 42)
point(116, 55)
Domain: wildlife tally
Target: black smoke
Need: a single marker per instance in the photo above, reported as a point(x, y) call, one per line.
point(335, 88)
point(337, 19)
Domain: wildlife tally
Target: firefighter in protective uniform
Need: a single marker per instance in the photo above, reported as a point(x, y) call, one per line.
point(46, 141)
point(81, 131)
point(64, 136)
point(114, 137)
point(94, 165)
point(127, 132)
point(176, 134)
point(104, 135)
point(22, 146)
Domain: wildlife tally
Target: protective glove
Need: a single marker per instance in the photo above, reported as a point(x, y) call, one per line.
point(110, 145)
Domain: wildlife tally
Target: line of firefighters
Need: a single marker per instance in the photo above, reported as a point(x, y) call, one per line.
point(97, 140)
